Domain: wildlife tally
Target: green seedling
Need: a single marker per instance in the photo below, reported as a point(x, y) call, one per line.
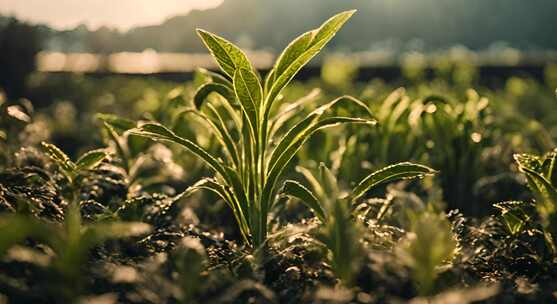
point(334, 208)
point(71, 242)
point(541, 173)
point(429, 245)
point(254, 159)
point(70, 169)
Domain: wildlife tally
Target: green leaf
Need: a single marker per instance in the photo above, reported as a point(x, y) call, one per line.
point(214, 77)
point(208, 88)
point(269, 81)
point(294, 189)
point(227, 196)
point(294, 50)
point(119, 123)
point(212, 185)
point(307, 122)
point(156, 131)
point(59, 157)
point(249, 93)
point(220, 131)
point(329, 182)
point(291, 110)
point(121, 149)
point(317, 187)
point(301, 51)
point(549, 168)
point(90, 160)
point(529, 161)
point(159, 132)
point(284, 156)
point(544, 191)
point(516, 215)
point(228, 56)
point(398, 171)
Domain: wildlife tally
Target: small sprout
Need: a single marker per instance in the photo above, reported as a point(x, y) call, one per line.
point(340, 232)
point(188, 261)
point(429, 245)
point(517, 215)
point(541, 174)
point(87, 161)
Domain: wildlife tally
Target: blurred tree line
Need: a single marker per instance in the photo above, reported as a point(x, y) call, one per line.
point(422, 24)
point(19, 44)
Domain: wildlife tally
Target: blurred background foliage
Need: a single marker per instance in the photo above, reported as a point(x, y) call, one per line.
point(380, 24)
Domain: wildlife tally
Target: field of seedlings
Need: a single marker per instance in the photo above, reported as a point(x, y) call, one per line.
point(244, 187)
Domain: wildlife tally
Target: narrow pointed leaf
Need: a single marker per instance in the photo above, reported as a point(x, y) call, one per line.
point(291, 110)
point(159, 132)
point(398, 171)
point(317, 187)
point(221, 190)
point(294, 50)
point(219, 131)
point(215, 77)
point(307, 122)
point(286, 155)
point(329, 182)
point(295, 189)
point(203, 92)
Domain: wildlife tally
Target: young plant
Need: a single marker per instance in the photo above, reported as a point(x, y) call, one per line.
point(254, 158)
point(70, 242)
point(517, 215)
point(70, 169)
point(541, 173)
point(430, 244)
point(187, 260)
point(115, 127)
point(334, 208)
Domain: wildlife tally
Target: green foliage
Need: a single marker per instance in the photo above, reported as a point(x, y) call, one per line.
point(447, 133)
point(253, 161)
point(429, 245)
point(188, 261)
point(334, 208)
point(71, 242)
point(516, 214)
point(404, 170)
point(541, 173)
point(70, 169)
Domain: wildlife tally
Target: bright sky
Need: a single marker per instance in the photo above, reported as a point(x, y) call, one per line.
point(122, 14)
